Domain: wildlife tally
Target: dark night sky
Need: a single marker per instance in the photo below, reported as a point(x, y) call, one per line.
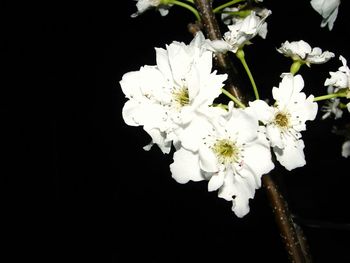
point(76, 183)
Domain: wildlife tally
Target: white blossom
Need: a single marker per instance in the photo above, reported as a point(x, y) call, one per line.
point(144, 5)
point(241, 32)
point(302, 51)
point(233, 154)
point(328, 9)
point(331, 107)
point(346, 149)
point(165, 98)
point(341, 78)
point(229, 17)
point(286, 119)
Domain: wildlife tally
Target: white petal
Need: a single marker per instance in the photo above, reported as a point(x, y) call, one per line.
point(238, 190)
point(328, 9)
point(317, 57)
point(180, 60)
point(163, 63)
point(257, 158)
point(158, 138)
point(292, 156)
point(217, 46)
point(208, 160)
point(244, 123)
point(185, 167)
point(289, 87)
point(346, 149)
point(191, 136)
point(131, 113)
point(216, 181)
point(163, 11)
point(130, 84)
point(274, 135)
point(263, 111)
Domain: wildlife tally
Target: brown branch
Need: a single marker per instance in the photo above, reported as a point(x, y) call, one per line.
point(223, 62)
point(292, 235)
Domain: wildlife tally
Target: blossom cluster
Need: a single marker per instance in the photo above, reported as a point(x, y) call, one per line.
point(177, 102)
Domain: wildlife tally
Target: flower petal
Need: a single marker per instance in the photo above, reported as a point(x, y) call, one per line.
point(262, 110)
point(185, 167)
point(238, 190)
point(292, 156)
point(207, 160)
point(216, 181)
point(346, 149)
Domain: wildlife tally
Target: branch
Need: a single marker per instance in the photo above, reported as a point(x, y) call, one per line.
point(292, 235)
point(224, 64)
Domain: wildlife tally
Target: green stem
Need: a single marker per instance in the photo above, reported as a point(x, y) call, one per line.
point(240, 56)
point(242, 13)
point(187, 6)
point(294, 68)
point(329, 96)
point(217, 9)
point(342, 105)
point(233, 98)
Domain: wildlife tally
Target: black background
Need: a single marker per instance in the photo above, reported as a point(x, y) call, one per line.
point(76, 184)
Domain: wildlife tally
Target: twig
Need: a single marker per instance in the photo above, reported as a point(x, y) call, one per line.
point(292, 235)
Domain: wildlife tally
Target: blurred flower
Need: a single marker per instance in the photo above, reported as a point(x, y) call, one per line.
point(346, 149)
point(341, 78)
point(332, 106)
point(328, 9)
point(143, 5)
point(241, 32)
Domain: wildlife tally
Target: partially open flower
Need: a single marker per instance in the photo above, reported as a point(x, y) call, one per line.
point(328, 9)
point(341, 78)
point(143, 5)
point(302, 51)
point(241, 32)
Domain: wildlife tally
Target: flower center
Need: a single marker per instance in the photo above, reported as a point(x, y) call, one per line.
point(226, 151)
point(181, 96)
point(282, 119)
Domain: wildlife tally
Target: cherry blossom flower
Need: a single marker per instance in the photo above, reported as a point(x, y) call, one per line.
point(143, 5)
point(233, 154)
point(241, 32)
point(302, 51)
point(165, 98)
point(328, 9)
point(286, 119)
